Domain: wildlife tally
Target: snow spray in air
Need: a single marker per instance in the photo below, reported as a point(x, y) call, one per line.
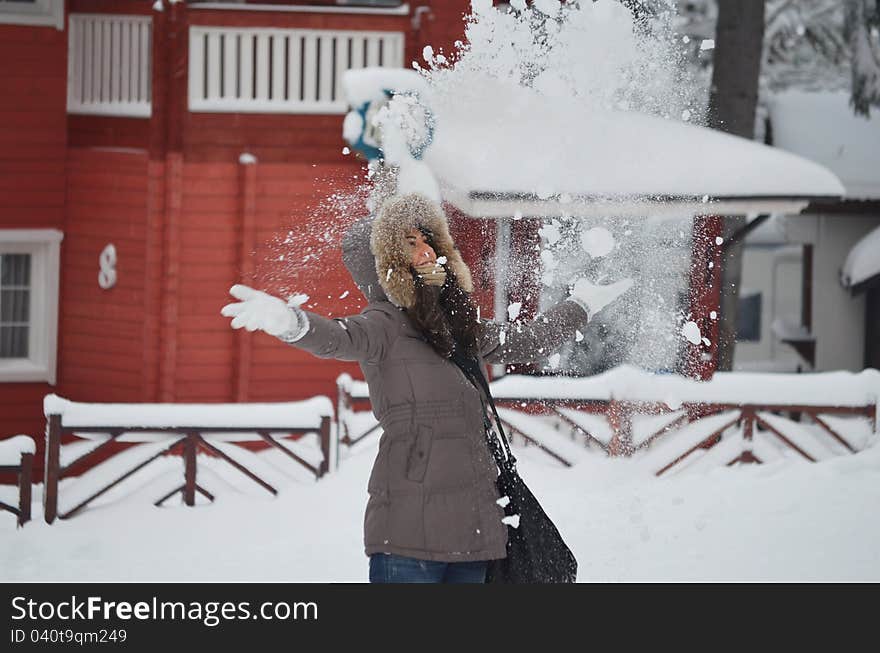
point(581, 59)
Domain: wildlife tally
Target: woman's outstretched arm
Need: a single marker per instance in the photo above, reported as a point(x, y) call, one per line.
point(529, 342)
point(526, 342)
point(364, 337)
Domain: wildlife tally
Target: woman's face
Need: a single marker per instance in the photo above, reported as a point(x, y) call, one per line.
point(420, 251)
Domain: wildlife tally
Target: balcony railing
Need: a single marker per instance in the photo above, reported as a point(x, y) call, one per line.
point(261, 70)
point(109, 65)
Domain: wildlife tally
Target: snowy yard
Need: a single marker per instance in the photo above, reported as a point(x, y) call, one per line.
point(785, 521)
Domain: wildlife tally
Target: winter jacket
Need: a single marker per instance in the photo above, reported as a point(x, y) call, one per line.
point(432, 487)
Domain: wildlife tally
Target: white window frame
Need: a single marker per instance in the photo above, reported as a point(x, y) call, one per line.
point(44, 247)
point(42, 12)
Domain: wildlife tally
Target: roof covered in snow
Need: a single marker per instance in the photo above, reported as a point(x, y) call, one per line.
point(863, 261)
point(823, 128)
point(521, 147)
point(769, 232)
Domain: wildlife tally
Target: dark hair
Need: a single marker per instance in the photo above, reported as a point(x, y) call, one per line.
point(446, 315)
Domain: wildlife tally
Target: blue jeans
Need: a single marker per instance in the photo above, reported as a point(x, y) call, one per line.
point(390, 568)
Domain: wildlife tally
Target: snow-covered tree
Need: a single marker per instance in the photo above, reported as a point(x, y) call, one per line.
point(862, 28)
point(808, 44)
point(805, 46)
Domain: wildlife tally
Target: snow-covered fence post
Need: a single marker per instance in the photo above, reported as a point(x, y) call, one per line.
point(343, 407)
point(872, 413)
point(190, 447)
point(17, 457)
point(24, 488)
point(325, 446)
point(748, 417)
point(51, 468)
point(620, 420)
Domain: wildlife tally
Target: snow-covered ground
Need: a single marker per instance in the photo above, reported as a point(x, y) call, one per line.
point(785, 521)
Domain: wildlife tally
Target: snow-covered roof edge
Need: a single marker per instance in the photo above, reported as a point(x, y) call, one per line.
point(518, 146)
point(863, 261)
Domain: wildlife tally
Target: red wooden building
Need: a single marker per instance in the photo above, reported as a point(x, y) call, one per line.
point(103, 143)
point(193, 138)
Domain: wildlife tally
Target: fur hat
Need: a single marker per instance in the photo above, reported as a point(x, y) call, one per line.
point(397, 216)
point(358, 259)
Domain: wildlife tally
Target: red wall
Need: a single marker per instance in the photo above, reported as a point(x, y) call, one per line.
point(212, 361)
point(103, 331)
point(187, 218)
point(33, 135)
point(33, 140)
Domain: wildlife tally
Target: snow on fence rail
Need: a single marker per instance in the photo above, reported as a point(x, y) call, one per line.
point(263, 70)
point(109, 70)
point(668, 421)
point(353, 425)
point(160, 429)
point(17, 457)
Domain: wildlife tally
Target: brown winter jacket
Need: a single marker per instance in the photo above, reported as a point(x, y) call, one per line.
point(432, 488)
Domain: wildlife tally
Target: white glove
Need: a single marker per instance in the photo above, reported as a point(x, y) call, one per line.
point(594, 298)
point(259, 310)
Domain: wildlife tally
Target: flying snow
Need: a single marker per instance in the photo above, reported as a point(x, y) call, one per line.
point(597, 242)
point(691, 332)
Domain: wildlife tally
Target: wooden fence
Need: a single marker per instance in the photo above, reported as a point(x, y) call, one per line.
point(619, 415)
point(352, 395)
point(605, 423)
point(613, 433)
point(23, 470)
point(186, 441)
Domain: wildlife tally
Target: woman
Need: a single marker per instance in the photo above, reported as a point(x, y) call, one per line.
point(433, 512)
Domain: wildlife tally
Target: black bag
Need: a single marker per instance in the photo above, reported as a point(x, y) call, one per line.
point(536, 552)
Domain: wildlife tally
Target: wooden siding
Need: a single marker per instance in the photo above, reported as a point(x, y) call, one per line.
point(33, 136)
point(271, 138)
point(173, 204)
point(108, 131)
point(102, 331)
point(293, 19)
point(210, 355)
point(33, 66)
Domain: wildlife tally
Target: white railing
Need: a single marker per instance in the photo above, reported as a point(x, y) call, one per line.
point(109, 65)
point(259, 70)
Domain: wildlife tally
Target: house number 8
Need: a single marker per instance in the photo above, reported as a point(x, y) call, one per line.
point(107, 261)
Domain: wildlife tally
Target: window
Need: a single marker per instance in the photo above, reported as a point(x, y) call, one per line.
point(33, 12)
point(28, 304)
point(748, 317)
point(15, 297)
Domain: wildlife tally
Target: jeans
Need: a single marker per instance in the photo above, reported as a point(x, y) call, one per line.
point(391, 568)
